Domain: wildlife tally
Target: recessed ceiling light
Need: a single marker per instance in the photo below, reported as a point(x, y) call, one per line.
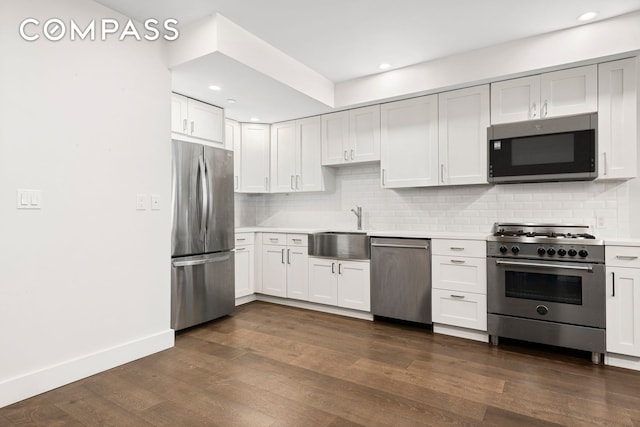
point(587, 16)
point(214, 87)
point(231, 101)
point(254, 119)
point(384, 66)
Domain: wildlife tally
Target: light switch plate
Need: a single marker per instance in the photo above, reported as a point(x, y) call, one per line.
point(142, 203)
point(28, 199)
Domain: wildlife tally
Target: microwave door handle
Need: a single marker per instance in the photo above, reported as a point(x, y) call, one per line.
point(588, 268)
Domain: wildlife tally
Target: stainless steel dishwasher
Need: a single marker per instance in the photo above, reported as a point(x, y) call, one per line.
point(401, 279)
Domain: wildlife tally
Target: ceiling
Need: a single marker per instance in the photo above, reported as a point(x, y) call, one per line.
point(347, 39)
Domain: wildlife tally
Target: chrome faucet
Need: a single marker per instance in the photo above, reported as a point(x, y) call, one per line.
point(358, 212)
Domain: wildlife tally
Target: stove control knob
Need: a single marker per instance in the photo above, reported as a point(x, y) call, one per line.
point(503, 249)
point(541, 251)
point(572, 252)
point(551, 251)
point(583, 253)
point(562, 252)
point(515, 249)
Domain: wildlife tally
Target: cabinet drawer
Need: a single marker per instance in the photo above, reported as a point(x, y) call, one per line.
point(274, 239)
point(459, 273)
point(244, 239)
point(473, 248)
point(461, 309)
point(622, 256)
point(297, 239)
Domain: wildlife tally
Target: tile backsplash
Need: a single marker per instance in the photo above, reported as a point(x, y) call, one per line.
point(604, 206)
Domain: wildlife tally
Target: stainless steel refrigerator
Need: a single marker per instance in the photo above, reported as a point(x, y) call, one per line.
point(202, 257)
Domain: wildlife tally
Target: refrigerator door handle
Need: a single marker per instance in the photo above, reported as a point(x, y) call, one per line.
point(205, 194)
point(192, 262)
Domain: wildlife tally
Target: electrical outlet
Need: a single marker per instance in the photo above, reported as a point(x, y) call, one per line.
point(155, 202)
point(600, 222)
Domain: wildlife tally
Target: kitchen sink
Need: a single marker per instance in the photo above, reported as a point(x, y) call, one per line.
point(340, 245)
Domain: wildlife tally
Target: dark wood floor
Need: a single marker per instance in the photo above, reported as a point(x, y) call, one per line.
point(269, 365)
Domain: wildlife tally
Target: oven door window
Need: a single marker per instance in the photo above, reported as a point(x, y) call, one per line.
point(544, 287)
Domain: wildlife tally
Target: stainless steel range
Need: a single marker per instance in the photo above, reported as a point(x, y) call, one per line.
point(546, 284)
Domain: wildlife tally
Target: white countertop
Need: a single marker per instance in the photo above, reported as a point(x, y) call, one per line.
point(373, 233)
point(618, 241)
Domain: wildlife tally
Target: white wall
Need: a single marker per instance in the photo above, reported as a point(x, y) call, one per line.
point(85, 281)
point(460, 208)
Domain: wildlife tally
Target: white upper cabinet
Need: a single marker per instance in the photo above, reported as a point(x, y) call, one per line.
point(618, 119)
point(515, 100)
point(296, 157)
point(436, 139)
point(195, 121)
point(463, 122)
point(351, 136)
point(559, 93)
point(254, 151)
point(409, 142)
point(283, 154)
point(232, 142)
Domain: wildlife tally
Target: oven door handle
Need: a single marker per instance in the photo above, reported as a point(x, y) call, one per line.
point(588, 268)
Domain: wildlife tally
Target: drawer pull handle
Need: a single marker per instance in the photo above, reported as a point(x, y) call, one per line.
point(297, 240)
point(453, 248)
point(626, 258)
point(273, 239)
point(457, 296)
point(240, 249)
point(458, 261)
point(240, 238)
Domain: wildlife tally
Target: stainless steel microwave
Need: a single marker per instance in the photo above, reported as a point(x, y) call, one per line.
point(557, 149)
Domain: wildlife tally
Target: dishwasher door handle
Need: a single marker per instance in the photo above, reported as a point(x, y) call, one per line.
point(391, 245)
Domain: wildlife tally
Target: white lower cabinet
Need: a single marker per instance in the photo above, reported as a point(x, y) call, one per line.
point(285, 265)
point(244, 265)
point(623, 304)
point(341, 283)
point(463, 309)
point(459, 284)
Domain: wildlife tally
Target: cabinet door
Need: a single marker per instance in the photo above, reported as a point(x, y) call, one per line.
point(462, 126)
point(244, 271)
point(205, 121)
point(178, 113)
point(274, 270)
point(459, 273)
point(335, 135)
point(232, 142)
point(515, 100)
point(364, 134)
point(409, 142)
point(617, 119)
point(297, 273)
point(462, 309)
point(566, 92)
point(354, 285)
point(309, 175)
point(623, 311)
point(283, 157)
point(323, 284)
point(254, 151)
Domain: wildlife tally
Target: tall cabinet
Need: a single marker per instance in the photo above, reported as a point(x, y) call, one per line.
point(618, 115)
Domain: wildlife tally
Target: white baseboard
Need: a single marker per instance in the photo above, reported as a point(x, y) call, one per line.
point(245, 299)
point(470, 334)
point(316, 307)
point(622, 361)
point(30, 384)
